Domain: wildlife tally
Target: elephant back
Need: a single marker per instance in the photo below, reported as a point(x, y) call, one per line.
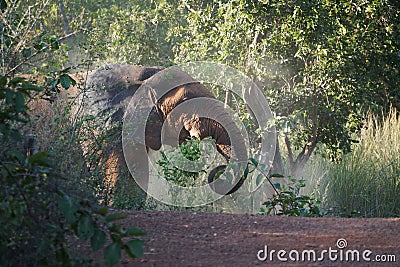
point(109, 89)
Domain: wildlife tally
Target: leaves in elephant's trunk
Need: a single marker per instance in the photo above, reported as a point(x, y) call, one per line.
point(173, 160)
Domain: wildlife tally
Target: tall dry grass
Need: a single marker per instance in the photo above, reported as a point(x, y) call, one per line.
point(367, 180)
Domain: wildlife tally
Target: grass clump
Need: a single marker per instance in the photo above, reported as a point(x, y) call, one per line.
point(367, 180)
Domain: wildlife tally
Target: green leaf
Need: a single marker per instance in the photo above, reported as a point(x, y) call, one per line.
point(115, 216)
point(54, 42)
point(31, 87)
point(134, 248)
point(62, 255)
point(112, 254)
point(88, 117)
point(135, 232)
point(277, 186)
point(16, 154)
point(3, 81)
point(277, 175)
point(26, 52)
point(85, 228)
point(101, 211)
point(65, 81)
point(254, 161)
point(16, 80)
point(3, 5)
point(9, 96)
point(98, 239)
point(246, 172)
point(39, 45)
point(20, 102)
point(259, 179)
point(72, 80)
point(44, 246)
point(68, 206)
point(40, 158)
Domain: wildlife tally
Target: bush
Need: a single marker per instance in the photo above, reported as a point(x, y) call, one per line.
point(41, 203)
point(37, 213)
point(288, 201)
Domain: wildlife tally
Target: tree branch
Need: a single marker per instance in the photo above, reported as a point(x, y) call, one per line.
point(39, 51)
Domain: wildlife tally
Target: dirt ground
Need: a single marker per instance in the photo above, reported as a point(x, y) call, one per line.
point(211, 239)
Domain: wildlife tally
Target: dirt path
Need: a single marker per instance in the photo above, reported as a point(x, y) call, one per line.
point(209, 239)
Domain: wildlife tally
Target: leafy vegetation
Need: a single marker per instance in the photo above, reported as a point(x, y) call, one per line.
point(90, 224)
point(322, 65)
point(41, 209)
point(313, 60)
point(190, 150)
point(37, 216)
point(289, 202)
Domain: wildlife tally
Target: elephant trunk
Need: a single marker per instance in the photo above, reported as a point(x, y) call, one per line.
point(230, 143)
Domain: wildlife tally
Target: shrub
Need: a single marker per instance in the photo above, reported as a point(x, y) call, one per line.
point(288, 201)
point(37, 213)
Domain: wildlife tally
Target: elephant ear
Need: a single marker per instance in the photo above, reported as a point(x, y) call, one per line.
point(142, 120)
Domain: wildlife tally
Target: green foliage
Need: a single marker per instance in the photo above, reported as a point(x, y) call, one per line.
point(289, 202)
point(190, 150)
point(287, 199)
point(24, 40)
point(40, 206)
point(31, 224)
point(13, 109)
point(133, 33)
point(89, 223)
point(127, 195)
point(322, 64)
point(27, 185)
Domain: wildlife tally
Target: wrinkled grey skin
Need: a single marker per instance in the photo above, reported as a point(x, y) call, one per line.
point(111, 89)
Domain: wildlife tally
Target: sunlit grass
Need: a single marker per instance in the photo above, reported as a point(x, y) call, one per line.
point(367, 179)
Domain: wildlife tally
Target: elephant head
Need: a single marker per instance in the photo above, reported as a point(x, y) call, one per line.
point(203, 118)
point(110, 88)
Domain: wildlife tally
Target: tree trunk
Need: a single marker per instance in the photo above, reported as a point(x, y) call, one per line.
point(64, 17)
point(277, 165)
point(297, 166)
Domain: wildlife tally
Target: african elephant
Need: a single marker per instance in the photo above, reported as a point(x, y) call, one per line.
point(169, 89)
